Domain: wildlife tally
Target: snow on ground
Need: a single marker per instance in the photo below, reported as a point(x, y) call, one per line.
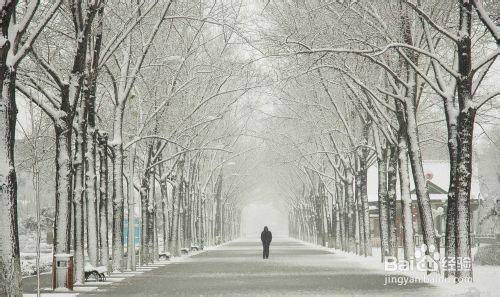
point(486, 278)
point(27, 246)
point(28, 263)
point(295, 268)
point(29, 283)
point(237, 269)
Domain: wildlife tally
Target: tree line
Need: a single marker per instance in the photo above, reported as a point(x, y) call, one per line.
point(373, 83)
point(143, 99)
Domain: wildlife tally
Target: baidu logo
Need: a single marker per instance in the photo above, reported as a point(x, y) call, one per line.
point(426, 259)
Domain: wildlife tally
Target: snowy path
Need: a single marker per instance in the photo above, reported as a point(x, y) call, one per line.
point(237, 269)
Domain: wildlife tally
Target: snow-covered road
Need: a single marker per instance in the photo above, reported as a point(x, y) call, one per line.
point(237, 269)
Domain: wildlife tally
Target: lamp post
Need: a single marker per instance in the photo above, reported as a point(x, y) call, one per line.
point(36, 181)
point(36, 185)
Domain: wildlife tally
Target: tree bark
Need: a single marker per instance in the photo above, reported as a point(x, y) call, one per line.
point(92, 213)
point(218, 209)
point(391, 200)
point(451, 201)
point(463, 179)
point(90, 100)
point(172, 240)
point(144, 219)
point(64, 182)
point(118, 199)
point(151, 209)
point(181, 211)
point(349, 203)
point(358, 216)
point(382, 203)
point(10, 267)
point(465, 128)
point(103, 200)
point(118, 202)
point(164, 208)
point(338, 230)
point(423, 199)
point(79, 198)
point(363, 179)
point(409, 121)
point(406, 203)
point(174, 243)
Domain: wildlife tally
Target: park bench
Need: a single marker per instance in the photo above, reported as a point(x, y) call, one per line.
point(194, 248)
point(164, 256)
point(184, 251)
point(99, 272)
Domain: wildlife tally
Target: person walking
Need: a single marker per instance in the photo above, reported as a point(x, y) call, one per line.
point(266, 237)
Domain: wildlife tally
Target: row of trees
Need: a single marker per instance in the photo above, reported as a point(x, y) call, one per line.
point(143, 97)
point(145, 101)
point(372, 83)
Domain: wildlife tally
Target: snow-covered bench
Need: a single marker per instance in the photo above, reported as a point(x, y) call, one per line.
point(99, 272)
point(194, 248)
point(164, 256)
point(184, 251)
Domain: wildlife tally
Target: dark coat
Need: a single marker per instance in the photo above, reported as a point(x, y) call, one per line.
point(266, 236)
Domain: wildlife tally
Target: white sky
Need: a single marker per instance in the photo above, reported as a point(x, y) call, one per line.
point(257, 215)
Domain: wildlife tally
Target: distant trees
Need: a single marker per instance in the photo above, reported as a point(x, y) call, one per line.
point(46, 220)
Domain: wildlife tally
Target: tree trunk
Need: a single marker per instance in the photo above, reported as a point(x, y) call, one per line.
point(118, 201)
point(90, 99)
point(177, 196)
point(406, 203)
point(92, 233)
point(164, 208)
point(349, 203)
point(157, 219)
point(70, 96)
point(463, 179)
point(451, 202)
point(79, 198)
point(423, 199)
point(103, 200)
point(408, 120)
point(151, 209)
point(382, 204)
point(342, 217)
point(391, 200)
point(363, 178)
point(181, 216)
point(218, 209)
point(202, 236)
point(358, 217)
point(172, 244)
point(165, 219)
point(144, 221)
point(64, 190)
point(465, 130)
point(338, 230)
point(10, 267)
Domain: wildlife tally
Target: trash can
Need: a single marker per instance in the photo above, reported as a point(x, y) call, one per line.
point(62, 272)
